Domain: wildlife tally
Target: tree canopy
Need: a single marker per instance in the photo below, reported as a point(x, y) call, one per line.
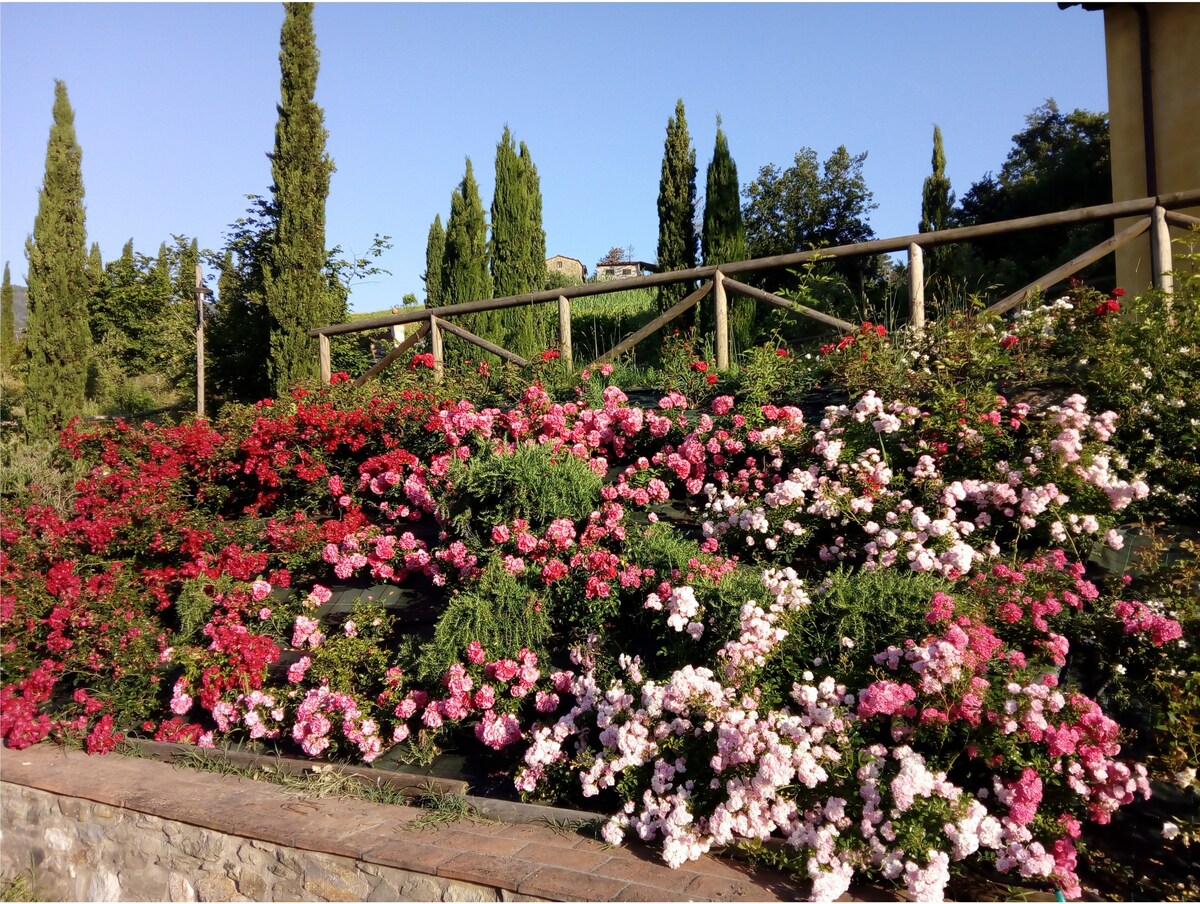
point(723, 237)
point(297, 290)
point(435, 249)
point(518, 243)
point(676, 205)
point(58, 340)
point(1057, 162)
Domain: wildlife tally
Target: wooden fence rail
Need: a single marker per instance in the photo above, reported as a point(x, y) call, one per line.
point(1156, 215)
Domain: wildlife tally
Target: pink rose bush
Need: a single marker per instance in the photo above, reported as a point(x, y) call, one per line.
point(630, 608)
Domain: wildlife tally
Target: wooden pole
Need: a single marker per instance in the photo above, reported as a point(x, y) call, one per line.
point(435, 342)
point(564, 330)
point(655, 325)
point(394, 354)
point(1182, 220)
point(916, 288)
point(1160, 251)
point(484, 344)
point(1072, 266)
point(324, 358)
point(199, 341)
point(761, 295)
point(721, 320)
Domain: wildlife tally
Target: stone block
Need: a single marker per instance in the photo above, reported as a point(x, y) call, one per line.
point(179, 888)
point(332, 881)
point(143, 884)
point(216, 888)
point(251, 883)
point(462, 891)
point(290, 891)
point(103, 886)
point(58, 839)
point(206, 846)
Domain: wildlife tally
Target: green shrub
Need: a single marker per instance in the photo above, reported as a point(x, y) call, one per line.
point(853, 616)
point(499, 612)
point(530, 482)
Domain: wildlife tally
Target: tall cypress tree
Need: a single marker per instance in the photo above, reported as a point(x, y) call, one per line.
point(936, 202)
point(518, 247)
point(296, 286)
point(465, 275)
point(534, 265)
point(8, 323)
point(676, 205)
point(723, 237)
point(57, 338)
point(95, 268)
point(435, 250)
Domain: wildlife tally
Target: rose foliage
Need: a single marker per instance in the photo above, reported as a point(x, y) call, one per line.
point(657, 645)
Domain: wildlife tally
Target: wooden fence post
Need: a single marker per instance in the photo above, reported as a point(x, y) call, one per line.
point(564, 330)
point(1160, 251)
point(435, 342)
point(721, 320)
point(916, 287)
point(200, 295)
point(324, 357)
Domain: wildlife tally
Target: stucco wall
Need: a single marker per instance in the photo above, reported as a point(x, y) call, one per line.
point(1174, 46)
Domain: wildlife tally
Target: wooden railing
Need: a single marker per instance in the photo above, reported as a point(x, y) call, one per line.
point(1157, 214)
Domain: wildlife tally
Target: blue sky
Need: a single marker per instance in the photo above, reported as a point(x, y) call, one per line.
point(175, 107)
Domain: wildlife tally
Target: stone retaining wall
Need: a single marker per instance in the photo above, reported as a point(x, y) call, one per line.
point(77, 850)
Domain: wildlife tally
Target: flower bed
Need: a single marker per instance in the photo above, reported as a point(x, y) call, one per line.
point(714, 619)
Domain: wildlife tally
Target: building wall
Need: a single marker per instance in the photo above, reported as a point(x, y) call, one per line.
point(566, 265)
point(1174, 45)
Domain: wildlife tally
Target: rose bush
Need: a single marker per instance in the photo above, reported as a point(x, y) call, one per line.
point(673, 613)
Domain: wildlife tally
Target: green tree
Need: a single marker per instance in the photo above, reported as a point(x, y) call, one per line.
point(57, 338)
point(8, 324)
point(239, 331)
point(465, 275)
point(518, 244)
point(127, 310)
point(937, 200)
point(723, 237)
point(297, 289)
point(95, 268)
point(676, 206)
point(810, 205)
point(435, 250)
point(1057, 162)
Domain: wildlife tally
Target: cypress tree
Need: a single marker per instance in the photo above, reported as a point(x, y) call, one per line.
point(296, 286)
point(936, 201)
point(723, 237)
point(676, 206)
point(57, 338)
point(95, 268)
point(465, 275)
point(518, 247)
point(535, 255)
point(435, 250)
point(8, 324)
